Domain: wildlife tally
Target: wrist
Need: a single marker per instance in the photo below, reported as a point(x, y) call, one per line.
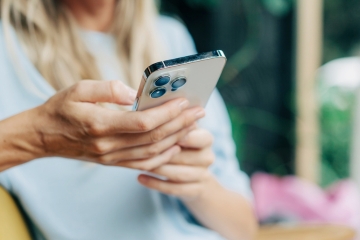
point(19, 140)
point(208, 186)
point(36, 123)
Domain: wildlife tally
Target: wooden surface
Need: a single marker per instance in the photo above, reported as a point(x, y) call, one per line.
point(308, 60)
point(306, 232)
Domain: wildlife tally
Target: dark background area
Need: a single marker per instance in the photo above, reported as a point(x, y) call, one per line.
point(258, 37)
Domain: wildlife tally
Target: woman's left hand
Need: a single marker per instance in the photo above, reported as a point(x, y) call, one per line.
point(188, 178)
point(187, 173)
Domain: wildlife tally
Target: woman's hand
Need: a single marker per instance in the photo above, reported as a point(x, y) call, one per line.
point(188, 178)
point(71, 124)
point(187, 174)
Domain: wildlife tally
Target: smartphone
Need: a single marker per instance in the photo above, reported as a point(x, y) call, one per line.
point(192, 77)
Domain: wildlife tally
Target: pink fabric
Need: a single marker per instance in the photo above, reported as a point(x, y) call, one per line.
point(297, 199)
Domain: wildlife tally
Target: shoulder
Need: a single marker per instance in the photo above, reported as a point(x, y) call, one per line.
point(171, 24)
point(175, 37)
point(5, 63)
point(8, 42)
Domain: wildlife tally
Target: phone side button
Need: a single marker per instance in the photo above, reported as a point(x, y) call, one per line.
point(136, 103)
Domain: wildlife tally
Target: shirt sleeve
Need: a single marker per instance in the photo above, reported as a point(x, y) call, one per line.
point(4, 181)
point(226, 167)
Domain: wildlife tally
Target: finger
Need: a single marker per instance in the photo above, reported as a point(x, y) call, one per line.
point(199, 138)
point(143, 152)
point(180, 173)
point(150, 119)
point(112, 122)
point(186, 190)
point(120, 141)
point(103, 91)
point(186, 119)
point(202, 158)
point(150, 164)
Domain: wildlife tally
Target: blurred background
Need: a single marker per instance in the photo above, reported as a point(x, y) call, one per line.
point(262, 81)
point(259, 37)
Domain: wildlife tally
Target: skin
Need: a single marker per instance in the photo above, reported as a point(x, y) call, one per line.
point(189, 178)
point(164, 140)
point(72, 125)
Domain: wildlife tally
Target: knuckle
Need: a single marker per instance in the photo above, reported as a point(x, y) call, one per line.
point(174, 112)
point(143, 168)
point(115, 87)
point(182, 134)
point(186, 121)
point(77, 88)
point(146, 167)
point(104, 160)
point(153, 150)
point(94, 128)
point(144, 124)
point(100, 147)
point(157, 135)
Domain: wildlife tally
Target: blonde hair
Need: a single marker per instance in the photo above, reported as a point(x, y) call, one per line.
point(50, 37)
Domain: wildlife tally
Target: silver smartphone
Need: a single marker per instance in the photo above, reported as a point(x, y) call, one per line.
point(192, 77)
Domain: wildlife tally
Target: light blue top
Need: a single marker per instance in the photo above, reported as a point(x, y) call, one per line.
point(69, 199)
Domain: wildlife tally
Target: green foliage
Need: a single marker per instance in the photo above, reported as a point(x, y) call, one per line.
point(202, 3)
point(337, 105)
point(243, 118)
point(238, 129)
point(341, 39)
point(278, 7)
point(341, 28)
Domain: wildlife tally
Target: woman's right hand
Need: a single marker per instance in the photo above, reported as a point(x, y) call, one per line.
point(71, 124)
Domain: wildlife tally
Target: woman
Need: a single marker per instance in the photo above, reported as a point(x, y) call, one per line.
point(49, 116)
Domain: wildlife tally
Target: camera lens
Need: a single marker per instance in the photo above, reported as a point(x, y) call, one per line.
point(178, 83)
point(161, 81)
point(158, 92)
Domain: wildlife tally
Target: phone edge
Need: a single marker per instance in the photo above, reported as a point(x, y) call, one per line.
point(182, 60)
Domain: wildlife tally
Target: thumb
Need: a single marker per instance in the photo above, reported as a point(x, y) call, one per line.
point(103, 91)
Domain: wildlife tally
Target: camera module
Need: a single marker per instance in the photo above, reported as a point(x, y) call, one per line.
point(178, 83)
point(161, 81)
point(157, 92)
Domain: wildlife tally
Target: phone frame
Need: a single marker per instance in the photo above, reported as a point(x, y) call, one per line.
point(167, 64)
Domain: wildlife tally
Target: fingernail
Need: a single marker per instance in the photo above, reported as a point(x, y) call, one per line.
point(183, 104)
point(200, 114)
